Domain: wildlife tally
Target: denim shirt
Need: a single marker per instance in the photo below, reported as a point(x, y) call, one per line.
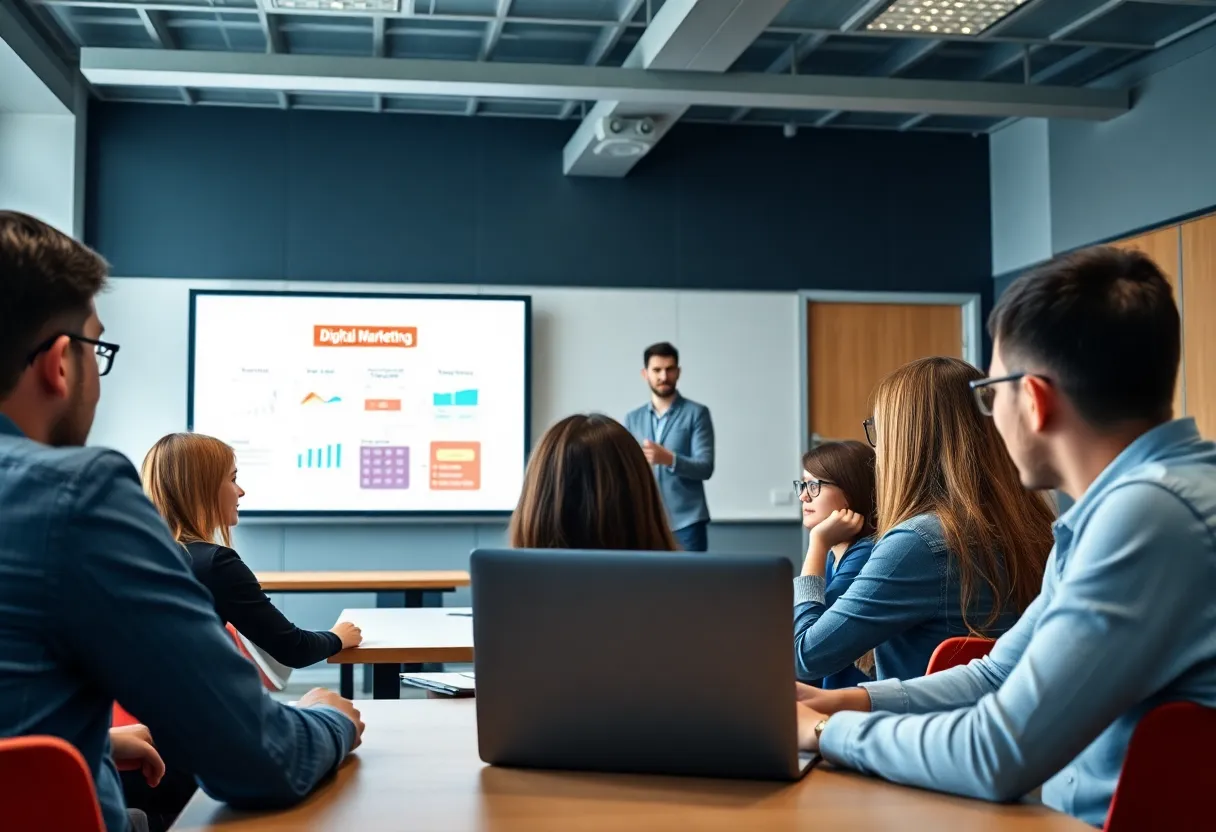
point(97, 603)
point(838, 577)
point(1126, 620)
point(905, 601)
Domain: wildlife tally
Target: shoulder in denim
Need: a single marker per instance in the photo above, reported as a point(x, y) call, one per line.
point(928, 528)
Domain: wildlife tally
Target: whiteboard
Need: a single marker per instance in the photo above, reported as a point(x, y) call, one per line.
point(739, 352)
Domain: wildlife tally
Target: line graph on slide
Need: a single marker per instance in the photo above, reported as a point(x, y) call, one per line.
point(317, 398)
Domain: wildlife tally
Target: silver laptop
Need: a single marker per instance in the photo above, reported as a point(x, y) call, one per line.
point(636, 662)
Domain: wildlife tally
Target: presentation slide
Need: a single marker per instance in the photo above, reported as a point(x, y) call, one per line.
point(373, 404)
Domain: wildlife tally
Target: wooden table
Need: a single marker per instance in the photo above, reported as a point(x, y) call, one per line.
point(392, 637)
point(393, 590)
point(401, 589)
point(418, 769)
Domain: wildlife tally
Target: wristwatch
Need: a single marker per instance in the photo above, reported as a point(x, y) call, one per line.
point(819, 726)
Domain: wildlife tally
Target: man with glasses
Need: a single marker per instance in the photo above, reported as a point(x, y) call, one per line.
point(97, 602)
point(1085, 358)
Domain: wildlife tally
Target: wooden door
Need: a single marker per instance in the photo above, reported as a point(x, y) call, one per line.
point(1198, 315)
point(1162, 246)
point(850, 346)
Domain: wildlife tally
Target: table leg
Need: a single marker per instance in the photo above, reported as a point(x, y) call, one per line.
point(346, 681)
point(410, 599)
point(386, 681)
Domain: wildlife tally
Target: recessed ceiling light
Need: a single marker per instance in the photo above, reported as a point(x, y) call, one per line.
point(342, 6)
point(947, 17)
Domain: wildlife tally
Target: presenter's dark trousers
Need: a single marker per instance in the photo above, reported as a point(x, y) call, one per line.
point(694, 538)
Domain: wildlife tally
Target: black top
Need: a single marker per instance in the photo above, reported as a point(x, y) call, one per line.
point(240, 601)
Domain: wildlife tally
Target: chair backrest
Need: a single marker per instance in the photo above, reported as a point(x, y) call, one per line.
point(1169, 772)
point(958, 650)
point(267, 682)
point(45, 784)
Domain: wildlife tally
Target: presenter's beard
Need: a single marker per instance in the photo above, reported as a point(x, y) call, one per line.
point(664, 391)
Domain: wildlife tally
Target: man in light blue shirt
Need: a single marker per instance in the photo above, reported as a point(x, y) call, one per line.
point(677, 437)
point(1086, 353)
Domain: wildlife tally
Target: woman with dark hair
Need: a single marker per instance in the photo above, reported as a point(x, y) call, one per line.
point(588, 486)
point(837, 497)
point(960, 545)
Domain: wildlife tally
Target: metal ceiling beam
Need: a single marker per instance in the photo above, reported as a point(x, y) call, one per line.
point(154, 24)
point(378, 29)
point(270, 30)
point(608, 38)
point(701, 36)
point(901, 59)
point(991, 34)
point(1086, 19)
point(494, 30)
point(31, 47)
point(158, 30)
point(488, 42)
point(787, 61)
point(642, 89)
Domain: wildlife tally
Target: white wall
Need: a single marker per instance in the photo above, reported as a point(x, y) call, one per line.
point(739, 350)
point(1021, 195)
point(38, 163)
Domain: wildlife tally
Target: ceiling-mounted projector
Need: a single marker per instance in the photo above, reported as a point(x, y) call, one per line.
point(616, 136)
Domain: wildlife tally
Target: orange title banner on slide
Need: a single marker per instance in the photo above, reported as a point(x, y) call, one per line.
point(332, 335)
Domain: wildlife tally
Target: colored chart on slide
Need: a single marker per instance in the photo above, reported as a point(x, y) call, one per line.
point(459, 398)
point(365, 404)
point(323, 456)
point(384, 467)
point(455, 466)
point(315, 398)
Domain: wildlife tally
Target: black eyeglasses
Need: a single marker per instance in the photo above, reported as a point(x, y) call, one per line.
point(104, 350)
point(985, 393)
point(871, 432)
point(811, 487)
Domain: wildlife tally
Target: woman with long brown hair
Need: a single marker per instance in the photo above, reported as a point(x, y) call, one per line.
point(836, 495)
point(191, 479)
point(588, 486)
point(960, 546)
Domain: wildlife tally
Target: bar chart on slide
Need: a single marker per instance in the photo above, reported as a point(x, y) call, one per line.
point(459, 398)
point(322, 456)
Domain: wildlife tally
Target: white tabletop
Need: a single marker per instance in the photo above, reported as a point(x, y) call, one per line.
point(410, 635)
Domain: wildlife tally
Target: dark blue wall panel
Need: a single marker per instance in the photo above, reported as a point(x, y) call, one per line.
point(236, 193)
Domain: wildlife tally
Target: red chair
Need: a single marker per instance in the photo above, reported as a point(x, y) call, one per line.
point(45, 784)
point(1168, 773)
point(958, 650)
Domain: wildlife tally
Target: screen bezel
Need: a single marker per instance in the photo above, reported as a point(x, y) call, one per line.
point(310, 514)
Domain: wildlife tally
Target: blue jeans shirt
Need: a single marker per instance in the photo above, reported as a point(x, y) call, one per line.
point(1126, 620)
point(903, 603)
point(97, 603)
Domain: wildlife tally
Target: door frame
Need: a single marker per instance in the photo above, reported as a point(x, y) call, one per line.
point(972, 334)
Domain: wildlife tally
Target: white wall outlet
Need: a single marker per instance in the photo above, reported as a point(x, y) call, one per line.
point(781, 496)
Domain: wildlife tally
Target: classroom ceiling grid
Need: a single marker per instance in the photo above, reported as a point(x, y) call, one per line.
point(1040, 43)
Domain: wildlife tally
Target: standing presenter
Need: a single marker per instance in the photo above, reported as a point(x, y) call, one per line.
point(677, 436)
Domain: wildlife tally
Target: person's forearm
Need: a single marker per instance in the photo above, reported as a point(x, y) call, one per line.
point(816, 562)
point(691, 467)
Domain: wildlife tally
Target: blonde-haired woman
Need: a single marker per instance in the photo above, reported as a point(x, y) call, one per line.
point(961, 546)
point(191, 479)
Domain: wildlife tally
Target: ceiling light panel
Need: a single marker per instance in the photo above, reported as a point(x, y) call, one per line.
point(942, 17)
point(366, 6)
